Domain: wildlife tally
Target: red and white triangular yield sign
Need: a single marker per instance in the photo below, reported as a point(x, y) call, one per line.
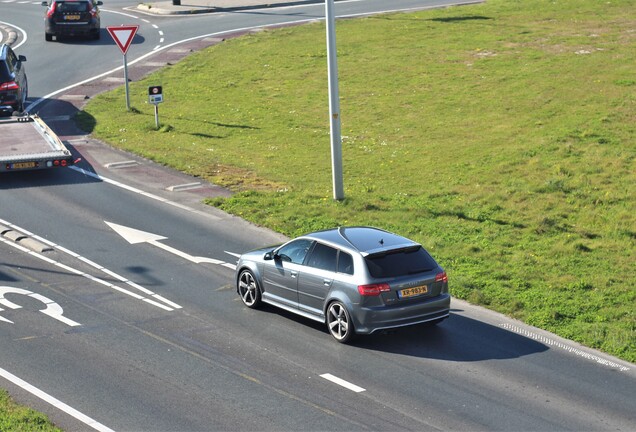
point(123, 35)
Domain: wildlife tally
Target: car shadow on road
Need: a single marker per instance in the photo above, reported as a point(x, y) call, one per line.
point(458, 338)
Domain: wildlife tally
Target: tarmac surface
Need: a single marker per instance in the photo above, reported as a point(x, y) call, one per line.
point(94, 156)
point(175, 7)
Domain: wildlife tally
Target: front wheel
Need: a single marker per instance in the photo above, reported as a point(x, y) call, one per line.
point(248, 289)
point(339, 322)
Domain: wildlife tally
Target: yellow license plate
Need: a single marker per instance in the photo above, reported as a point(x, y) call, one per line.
point(415, 291)
point(72, 17)
point(24, 165)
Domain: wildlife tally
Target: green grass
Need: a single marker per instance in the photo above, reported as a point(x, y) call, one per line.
point(501, 136)
point(15, 418)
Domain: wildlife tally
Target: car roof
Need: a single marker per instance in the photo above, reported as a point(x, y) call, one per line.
point(363, 239)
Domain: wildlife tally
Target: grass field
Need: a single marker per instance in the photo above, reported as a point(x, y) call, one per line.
point(500, 135)
point(15, 418)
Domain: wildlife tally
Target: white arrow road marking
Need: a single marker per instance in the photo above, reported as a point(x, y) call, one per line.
point(135, 236)
point(170, 305)
point(343, 383)
point(53, 309)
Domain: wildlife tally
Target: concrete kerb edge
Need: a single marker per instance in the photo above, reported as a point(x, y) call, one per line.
point(148, 7)
point(12, 35)
point(159, 11)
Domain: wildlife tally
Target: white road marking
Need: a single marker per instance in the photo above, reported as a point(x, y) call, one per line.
point(342, 383)
point(171, 305)
point(134, 190)
point(53, 401)
point(53, 309)
point(135, 236)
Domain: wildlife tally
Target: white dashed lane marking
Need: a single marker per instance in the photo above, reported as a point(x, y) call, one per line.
point(343, 383)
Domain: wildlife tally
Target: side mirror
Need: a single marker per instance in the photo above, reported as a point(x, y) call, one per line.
point(269, 256)
point(21, 58)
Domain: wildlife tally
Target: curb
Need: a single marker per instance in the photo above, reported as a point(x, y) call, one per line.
point(12, 35)
point(24, 240)
point(160, 11)
point(154, 8)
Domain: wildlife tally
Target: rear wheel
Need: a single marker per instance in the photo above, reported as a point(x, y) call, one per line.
point(339, 322)
point(248, 289)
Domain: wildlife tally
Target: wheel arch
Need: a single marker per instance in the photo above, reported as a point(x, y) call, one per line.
point(253, 268)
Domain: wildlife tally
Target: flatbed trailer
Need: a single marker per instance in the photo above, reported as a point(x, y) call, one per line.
point(27, 143)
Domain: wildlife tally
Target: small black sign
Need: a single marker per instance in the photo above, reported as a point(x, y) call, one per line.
point(154, 90)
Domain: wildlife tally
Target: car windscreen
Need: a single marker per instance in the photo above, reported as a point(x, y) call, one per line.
point(401, 262)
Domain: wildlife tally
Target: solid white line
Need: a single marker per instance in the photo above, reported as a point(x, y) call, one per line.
point(342, 383)
point(134, 190)
point(53, 401)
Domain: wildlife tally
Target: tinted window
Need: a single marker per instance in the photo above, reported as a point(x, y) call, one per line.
point(294, 251)
point(323, 257)
point(12, 60)
point(400, 263)
point(71, 6)
point(4, 72)
point(345, 263)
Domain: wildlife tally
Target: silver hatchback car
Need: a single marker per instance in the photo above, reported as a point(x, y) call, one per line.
point(357, 280)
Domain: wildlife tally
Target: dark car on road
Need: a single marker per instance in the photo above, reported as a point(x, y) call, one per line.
point(13, 81)
point(72, 18)
point(357, 280)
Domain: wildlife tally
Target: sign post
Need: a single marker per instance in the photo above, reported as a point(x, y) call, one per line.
point(334, 103)
point(155, 97)
point(123, 36)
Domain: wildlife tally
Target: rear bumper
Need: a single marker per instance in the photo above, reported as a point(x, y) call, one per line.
point(369, 320)
point(8, 107)
point(84, 28)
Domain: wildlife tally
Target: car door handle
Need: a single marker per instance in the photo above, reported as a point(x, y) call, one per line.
point(294, 274)
point(327, 282)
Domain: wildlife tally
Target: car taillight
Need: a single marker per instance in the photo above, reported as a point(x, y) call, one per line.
point(51, 11)
point(91, 10)
point(373, 289)
point(441, 277)
point(11, 85)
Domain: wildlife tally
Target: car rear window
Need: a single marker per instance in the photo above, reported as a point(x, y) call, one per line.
point(400, 262)
point(73, 6)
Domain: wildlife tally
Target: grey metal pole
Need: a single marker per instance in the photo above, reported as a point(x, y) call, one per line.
point(334, 103)
point(157, 116)
point(126, 82)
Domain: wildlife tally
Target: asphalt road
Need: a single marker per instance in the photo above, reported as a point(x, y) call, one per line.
point(151, 336)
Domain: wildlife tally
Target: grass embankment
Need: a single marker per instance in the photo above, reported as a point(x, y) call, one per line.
point(501, 136)
point(15, 418)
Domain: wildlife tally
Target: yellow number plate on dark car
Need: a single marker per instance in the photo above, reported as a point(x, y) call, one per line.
point(415, 291)
point(72, 17)
point(23, 165)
